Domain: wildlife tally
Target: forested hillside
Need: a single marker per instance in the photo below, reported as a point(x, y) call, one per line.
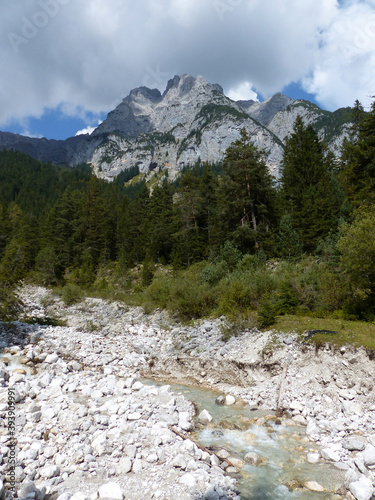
point(224, 239)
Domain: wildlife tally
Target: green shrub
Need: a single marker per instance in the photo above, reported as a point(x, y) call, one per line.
point(267, 313)
point(244, 290)
point(158, 293)
point(230, 254)
point(71, 294)
point(191, 299)
point(214, 272)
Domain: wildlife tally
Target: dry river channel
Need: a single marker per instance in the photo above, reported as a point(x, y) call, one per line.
point(118, 404)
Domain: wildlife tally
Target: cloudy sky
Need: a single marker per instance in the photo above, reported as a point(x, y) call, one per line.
point(66, 63)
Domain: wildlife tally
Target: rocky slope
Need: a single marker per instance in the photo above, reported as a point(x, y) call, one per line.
point(87, 429)
point(192, 120)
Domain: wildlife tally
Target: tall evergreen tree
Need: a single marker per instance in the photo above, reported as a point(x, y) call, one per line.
point(247, 194)
point(188, 239)
point(160, 222)
point(310, 193)
point(358, 173)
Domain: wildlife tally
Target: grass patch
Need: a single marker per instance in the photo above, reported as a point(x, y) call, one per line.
point(355, 333)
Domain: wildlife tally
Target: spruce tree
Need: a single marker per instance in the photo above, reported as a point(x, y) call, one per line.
point(358, 156)
point(188, 239)
point(309, 191)
point(247, 194)
point(289, 244)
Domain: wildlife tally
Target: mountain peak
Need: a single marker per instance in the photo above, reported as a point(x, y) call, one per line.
point(264, 111)
point(151, 94)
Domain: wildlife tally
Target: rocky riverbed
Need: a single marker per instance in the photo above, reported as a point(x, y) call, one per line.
point(87, 427)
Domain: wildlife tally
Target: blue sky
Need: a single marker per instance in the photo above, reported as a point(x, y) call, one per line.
point(67, 63)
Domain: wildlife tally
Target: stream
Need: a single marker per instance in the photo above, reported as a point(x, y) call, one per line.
point(283, 449)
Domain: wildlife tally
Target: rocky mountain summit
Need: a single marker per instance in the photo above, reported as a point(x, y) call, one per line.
point(191, 121)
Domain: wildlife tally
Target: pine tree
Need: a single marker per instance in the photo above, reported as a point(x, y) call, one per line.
point(188, 238)
point(160, 223)
point(289, 244)
point(247, 194)
point(310, 193)
point(358, 156)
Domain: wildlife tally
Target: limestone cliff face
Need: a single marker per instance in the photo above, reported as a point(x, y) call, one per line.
point(192, 120)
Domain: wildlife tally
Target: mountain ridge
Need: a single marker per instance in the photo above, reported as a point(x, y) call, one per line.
point(192, 120)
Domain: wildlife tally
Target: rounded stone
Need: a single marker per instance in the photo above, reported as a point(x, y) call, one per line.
point(111, 490)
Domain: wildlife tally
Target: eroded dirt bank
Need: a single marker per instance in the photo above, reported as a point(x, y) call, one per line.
point(87, 370)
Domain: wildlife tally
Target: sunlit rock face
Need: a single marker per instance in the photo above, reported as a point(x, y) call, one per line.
point(191, 121)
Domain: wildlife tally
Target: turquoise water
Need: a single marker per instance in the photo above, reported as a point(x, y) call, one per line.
point(283, 449)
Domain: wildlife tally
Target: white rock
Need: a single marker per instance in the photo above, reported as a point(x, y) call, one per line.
point(137, 465)
point(251, 458)
point(51, 358)
point(129, 382)
point(330, 454)
point(111, 490)
point(137, 386)
point(64, 496)
point(134, 416)
point(188, 479)
point(313, 458)
point(48, 414)
point(204, 417)
point(100, 444)
point(49, 451)
point(184, 421)
point(312, 428)
point(29, 490)
point(152, 458)
point(362, 489)
point(45, 380)
point(97, 394)
point(299, 419)
point(296, 405)
point(353, 443)
point(314, 486)
point(347, 394)
point(179, 462)
point(1, 487)
point(230, 400)
point(131, 450)
point(79, 496)
point(369, 455)
point(236, 462)
point(50, 471)
point(124, 465)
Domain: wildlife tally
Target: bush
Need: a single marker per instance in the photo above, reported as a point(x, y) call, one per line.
point(242, 291)
point(230, 254)
point(71, 294)
point(214, 272)
point(10, 303)
point(267, 313)
point(158, 293)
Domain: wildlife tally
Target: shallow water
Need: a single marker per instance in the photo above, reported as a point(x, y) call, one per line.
point(282, 447)
point(14, 363)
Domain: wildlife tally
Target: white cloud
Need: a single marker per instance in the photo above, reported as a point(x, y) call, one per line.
point(27, 133)
point(85, 56)
point(242, 92)
point(88, 129)
point(345, 70)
